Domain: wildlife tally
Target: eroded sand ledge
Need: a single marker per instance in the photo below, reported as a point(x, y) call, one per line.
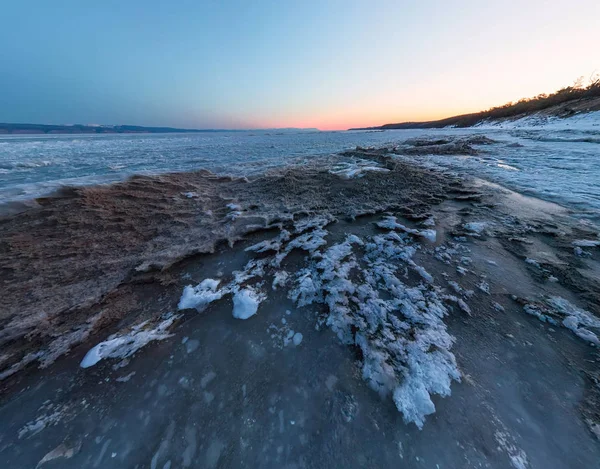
point(99, 260)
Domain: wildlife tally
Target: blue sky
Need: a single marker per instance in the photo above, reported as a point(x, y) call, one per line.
point(326, 64)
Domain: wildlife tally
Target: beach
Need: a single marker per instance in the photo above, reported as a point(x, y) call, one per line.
point(343, 310)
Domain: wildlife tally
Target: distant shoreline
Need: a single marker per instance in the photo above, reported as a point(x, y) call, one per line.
point(50, 129)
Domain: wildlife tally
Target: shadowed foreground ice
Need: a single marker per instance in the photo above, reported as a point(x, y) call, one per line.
point(450, 340)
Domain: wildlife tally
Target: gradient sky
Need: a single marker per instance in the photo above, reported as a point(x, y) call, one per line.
point(254, 64)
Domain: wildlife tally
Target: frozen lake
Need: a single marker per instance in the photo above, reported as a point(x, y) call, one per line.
point(557, 161)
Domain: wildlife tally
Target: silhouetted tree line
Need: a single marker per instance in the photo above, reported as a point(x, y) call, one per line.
point(574, 94)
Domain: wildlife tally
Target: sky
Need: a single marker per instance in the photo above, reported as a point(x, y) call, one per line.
point(264, 64)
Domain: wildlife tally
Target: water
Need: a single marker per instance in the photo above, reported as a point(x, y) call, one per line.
point(560, 164)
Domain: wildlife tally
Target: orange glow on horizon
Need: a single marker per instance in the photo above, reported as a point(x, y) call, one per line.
point(335, 121)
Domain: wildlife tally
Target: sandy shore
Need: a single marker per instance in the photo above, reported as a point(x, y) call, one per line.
point(410, 288)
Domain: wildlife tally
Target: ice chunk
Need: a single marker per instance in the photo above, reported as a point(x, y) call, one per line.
point(201, 295)
point(123, 346)
point(297, 339)
point(429, 373)
point(556, 309)
point(431, 235)
point(319, 221)
point(580, 252)
point(245, 303)
point(430, 222)
point(391, 223)
point(586, 243)
point(270, 244)
point(477, 227)
point(357, 169)
point(279, 279)
point(124, 379)
point(484, 287)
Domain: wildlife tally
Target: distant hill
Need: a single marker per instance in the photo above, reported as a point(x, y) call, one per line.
point(564, 103)
point(120, 129)
point(89, 129)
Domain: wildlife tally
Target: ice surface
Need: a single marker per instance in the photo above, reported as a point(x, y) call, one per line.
point(123, 346)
